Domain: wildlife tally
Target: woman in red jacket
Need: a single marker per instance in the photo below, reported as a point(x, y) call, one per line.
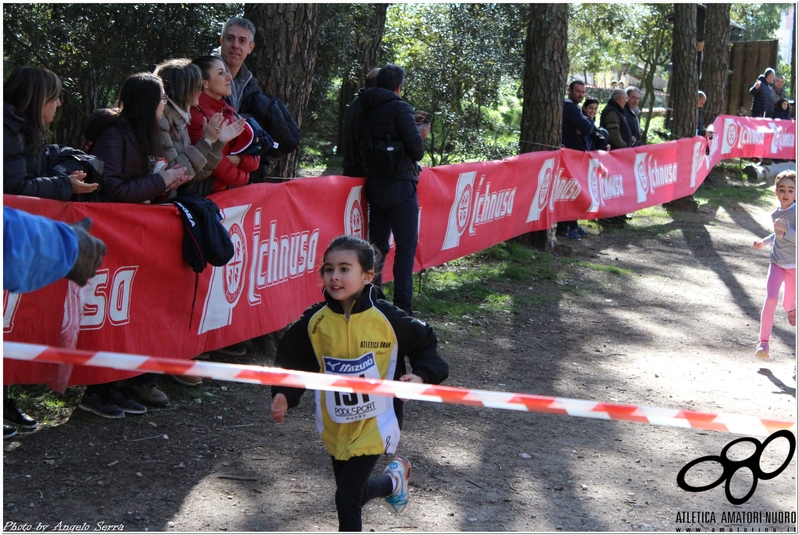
point(234, 169)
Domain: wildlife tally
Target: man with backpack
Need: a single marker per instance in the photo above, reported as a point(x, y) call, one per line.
point(390, 144)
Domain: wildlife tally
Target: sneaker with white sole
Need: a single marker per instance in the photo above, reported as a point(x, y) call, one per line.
point(400, 472)
point(122, 400)
point(762, 351)
point(101, 405)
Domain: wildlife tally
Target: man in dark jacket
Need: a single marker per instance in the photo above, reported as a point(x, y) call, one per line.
point(237, 41)
point(393, 204)
point(576, 127)
point(630, 113)
point(614, 120)
point(778, 91)
point(701, 98)
point(352, 165)
point(761, 94)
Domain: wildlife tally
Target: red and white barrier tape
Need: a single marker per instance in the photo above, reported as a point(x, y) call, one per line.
point(745, 425)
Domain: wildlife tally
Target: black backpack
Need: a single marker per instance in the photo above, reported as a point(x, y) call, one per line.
point(205, 238)
point(275, 118)
point(61, 160)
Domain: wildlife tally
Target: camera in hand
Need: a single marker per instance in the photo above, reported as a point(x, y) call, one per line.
point(423, 118)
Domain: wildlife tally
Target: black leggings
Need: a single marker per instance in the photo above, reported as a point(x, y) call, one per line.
point(355, 488)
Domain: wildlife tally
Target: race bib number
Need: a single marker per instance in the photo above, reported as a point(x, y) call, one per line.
point(344, 408)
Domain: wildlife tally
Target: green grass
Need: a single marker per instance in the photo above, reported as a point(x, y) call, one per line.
point(734, 193)
point(44, 405)
point(478, 283)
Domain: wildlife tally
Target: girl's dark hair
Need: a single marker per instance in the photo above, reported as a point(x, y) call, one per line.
point(28, 89)
point(368, 255)
point(590, 100)
point(139, 99)
point(181, 79)
point(205, 63)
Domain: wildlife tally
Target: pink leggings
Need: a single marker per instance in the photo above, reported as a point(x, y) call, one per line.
point(776, 277)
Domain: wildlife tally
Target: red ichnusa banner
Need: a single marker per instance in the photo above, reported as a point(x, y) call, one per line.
point(142, 299)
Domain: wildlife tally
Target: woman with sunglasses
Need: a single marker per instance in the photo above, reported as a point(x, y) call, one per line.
point(183, 85)
point(234, 169)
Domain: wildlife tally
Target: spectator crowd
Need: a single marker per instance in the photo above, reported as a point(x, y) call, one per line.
point(192, 127)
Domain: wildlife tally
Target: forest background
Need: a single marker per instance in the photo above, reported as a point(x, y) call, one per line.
point(467, 64)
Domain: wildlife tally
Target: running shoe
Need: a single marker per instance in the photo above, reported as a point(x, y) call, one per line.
point(400, 472)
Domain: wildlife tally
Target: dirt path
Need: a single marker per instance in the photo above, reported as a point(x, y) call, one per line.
point(679, 332)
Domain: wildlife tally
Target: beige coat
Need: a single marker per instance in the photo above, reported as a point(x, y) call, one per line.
point(199, 159)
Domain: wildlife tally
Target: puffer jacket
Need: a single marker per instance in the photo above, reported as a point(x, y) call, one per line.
point(761, 98)
point(22, 169)
point(225, 174)
point(113, 140)
point(614, 121)
point(199, 159)
point(384, 113)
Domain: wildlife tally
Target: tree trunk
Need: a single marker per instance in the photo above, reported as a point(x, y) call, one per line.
point(684, 85)
point(366, 58)
point(545, 72)
point(716, 64)
point(685, 78)
point(546, 69)
point(284, 59)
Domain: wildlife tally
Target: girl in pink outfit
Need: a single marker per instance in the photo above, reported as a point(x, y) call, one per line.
point(782, 269)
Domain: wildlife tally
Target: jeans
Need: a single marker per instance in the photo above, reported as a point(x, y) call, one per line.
point(394, 207)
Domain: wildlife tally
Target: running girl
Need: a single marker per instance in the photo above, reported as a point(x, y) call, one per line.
point(782, 269)
point(354, 333)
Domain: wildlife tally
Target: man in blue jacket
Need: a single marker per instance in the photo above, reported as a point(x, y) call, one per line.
point(576, 129)
point(38, 251)
point(393, 203)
